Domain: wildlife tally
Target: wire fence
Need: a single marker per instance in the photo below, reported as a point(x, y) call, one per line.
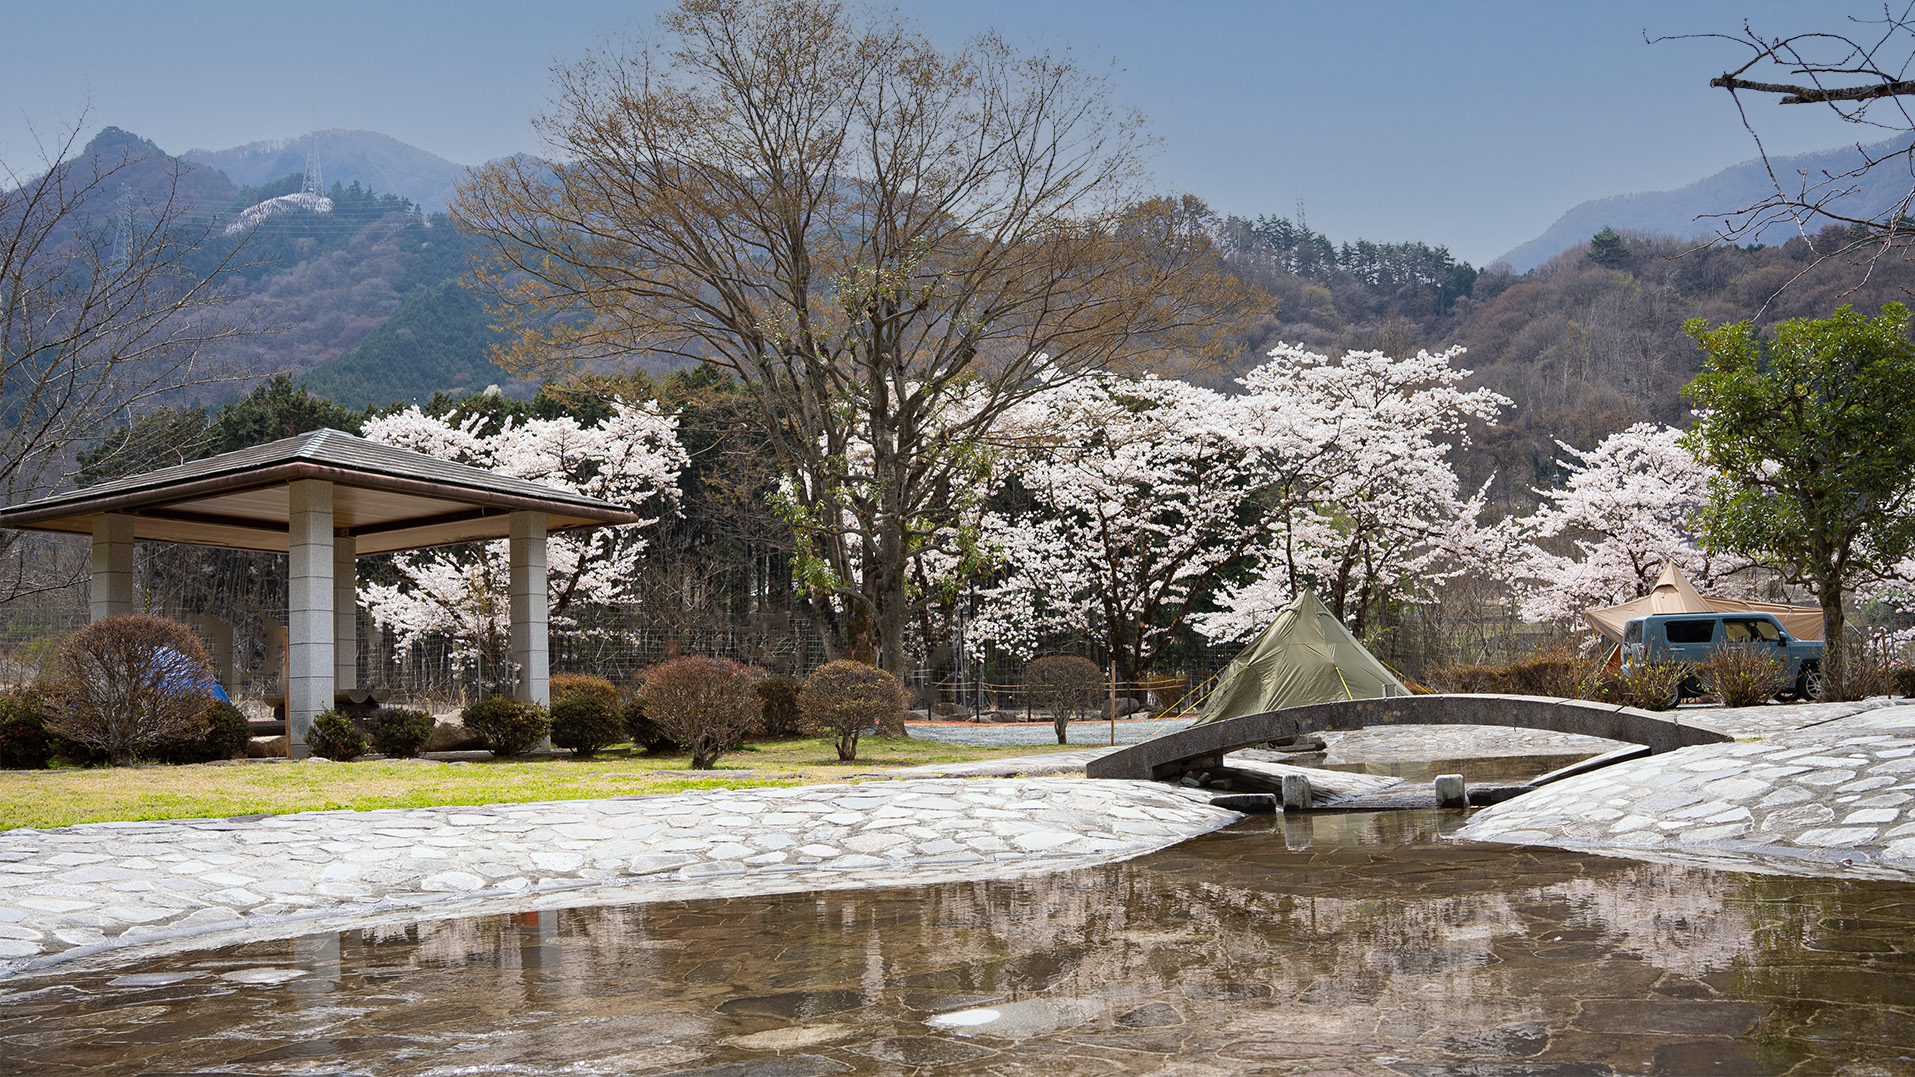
point(248, 648)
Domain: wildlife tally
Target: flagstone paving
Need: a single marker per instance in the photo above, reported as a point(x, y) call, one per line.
point(82, 890)
point(1827, 790)
point(1831, 797)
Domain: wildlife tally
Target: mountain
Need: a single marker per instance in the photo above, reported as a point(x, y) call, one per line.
point(1676, 213)
point(378, 162)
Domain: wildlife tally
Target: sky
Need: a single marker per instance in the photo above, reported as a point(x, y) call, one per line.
point(1473, 123)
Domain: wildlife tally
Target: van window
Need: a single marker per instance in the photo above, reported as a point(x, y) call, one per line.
point(1749, 631)
point(1632, 632)
point(1691, 631)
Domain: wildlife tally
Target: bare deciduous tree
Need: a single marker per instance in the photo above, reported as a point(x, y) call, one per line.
point(889, 243)
point(109, 298)
point(1860, 72)
point(1070, 685)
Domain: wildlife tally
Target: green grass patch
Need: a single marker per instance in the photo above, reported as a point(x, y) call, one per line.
point(51, 798)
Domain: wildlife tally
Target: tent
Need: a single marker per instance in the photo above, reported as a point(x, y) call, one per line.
point(1305, 656)
point(1673, 593)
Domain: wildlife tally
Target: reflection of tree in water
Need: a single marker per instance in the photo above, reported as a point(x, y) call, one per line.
point(1832, 959)
point(1252, 940)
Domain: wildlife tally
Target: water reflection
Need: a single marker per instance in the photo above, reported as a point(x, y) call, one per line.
point(1282, 945)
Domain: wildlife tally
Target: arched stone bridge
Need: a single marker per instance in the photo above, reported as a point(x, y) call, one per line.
point(1203, 747)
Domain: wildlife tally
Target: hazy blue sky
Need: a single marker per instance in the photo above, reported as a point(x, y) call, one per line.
point(1472, 124)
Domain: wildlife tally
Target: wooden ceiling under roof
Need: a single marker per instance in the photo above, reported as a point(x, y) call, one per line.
point(390, 499)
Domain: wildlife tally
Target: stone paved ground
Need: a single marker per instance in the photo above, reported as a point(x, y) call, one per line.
point(81, 890)
point(1086, 734)
point(1831, 796)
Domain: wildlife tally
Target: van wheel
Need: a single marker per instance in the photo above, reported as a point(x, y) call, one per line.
point(1808, 684)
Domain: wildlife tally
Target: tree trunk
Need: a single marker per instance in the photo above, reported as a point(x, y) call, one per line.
point(1834, 621)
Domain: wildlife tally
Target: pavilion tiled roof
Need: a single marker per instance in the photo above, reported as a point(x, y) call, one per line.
point(392, 498)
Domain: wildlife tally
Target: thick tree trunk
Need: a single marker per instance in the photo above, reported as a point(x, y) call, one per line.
point(1834, 621)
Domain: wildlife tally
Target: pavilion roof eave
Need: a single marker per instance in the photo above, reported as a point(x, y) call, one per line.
point(233, 501)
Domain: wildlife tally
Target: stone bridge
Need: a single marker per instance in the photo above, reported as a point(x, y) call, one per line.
point(1203, 747)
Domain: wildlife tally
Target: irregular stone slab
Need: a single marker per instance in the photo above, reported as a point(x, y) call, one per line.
point(1735, 806)
point(108, 888)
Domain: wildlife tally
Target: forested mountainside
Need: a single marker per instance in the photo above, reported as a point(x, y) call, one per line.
point(1584, 345)
point(370, 309)
point(1686, 210)
point(377, 161)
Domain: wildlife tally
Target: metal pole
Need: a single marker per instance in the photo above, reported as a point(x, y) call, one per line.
point(1113, 703)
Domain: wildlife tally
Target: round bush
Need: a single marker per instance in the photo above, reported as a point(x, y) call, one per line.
point(132, 683)
point(703, 703)
point(1069, 686)
point(778, 706)
point(25, 743)
point(573, 685)
point(509, 726)
point(398, 732)
point(847, 698)
point(333, 736)
point(227, 734)
point(643, 732)
point(586, 722)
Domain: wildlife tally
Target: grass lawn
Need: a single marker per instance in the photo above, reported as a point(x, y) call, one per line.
point(49, 798)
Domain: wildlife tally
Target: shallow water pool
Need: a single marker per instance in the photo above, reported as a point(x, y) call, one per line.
point(1366, 942)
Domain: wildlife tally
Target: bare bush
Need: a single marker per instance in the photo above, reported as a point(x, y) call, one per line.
point(704, 704)
point(1069, 685)
point(132, 682)
point(1740, 676)
point(846, 698)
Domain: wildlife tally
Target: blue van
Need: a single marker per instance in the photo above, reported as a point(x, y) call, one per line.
point(1692, 637)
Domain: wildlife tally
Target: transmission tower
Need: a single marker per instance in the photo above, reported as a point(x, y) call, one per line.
point(313, 184)
point(123, 229)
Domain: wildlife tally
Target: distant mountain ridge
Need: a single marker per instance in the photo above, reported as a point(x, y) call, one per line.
point(1683, 212)
point(379, 162)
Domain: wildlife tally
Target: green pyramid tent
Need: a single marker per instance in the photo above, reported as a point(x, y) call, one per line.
point(1305, 656)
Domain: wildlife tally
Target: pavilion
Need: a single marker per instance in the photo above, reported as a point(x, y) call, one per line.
point(325, 499)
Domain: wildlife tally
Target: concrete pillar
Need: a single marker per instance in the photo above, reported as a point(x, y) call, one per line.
point(1297, 794)
point(345, 611)
point(1451, 792)
point(112, 586)
point(309, 623)
point(528, 639)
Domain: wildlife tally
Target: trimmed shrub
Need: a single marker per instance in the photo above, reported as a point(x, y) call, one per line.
point(586, 718)
point(704, 704)
point(643, 732)
point(227, 733)
point(778, 706)
point(333, 736)
point(132, 683)
point(510, 727)
point(568, 685)
point(398, 731)
point(1740, 676)
point(25, 743)
point(846, 698)
point(1069, 685)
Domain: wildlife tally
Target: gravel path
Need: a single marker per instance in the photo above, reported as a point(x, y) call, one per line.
point(1087, 734)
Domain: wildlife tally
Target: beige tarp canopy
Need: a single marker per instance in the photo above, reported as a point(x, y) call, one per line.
point(1305, 656)
point(1673, 593)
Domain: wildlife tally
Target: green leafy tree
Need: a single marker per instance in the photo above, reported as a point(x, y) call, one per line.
point(1815, 456)
point(1608, 248)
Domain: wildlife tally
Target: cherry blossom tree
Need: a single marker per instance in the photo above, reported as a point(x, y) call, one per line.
point(1150, 501)
point(1137, 494)
point(1620, 515)
point(1356, 454)
point(631, 458)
